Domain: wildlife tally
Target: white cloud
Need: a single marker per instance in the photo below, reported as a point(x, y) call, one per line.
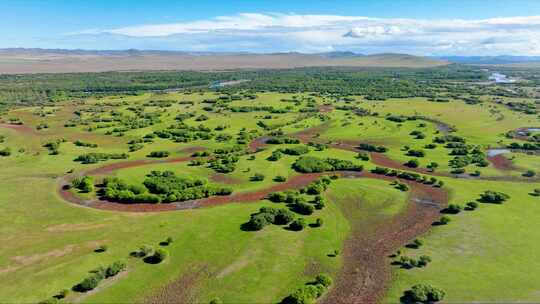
point(292, 32)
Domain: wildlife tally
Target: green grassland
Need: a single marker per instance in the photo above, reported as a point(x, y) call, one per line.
point(488, 254)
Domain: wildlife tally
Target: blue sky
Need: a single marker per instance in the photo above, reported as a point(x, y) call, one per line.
point(419, 27)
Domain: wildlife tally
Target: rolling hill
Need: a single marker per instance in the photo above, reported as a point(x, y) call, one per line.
point(24, 61)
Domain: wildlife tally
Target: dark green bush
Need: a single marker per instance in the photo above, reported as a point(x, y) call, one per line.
point(424, 293)
point(298, 224)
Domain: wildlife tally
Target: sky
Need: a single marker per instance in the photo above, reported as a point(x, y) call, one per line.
point(421, 27)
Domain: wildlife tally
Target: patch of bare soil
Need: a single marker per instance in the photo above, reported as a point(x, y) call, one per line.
point(367, 271)
point(382, 160)
point(193, 149)
point(26, 260)
point(295, 182)
point(74, 227)
point(23, 129)
point(501, 163)
point(311, 134)
point(257, 144)
point(112, 206)
point(182, 290)
point(224, 179)
point(326, 108)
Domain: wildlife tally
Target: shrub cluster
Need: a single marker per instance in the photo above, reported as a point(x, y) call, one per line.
point(85, 144)
point(423, 293)
point(493, 197)
point(53, 146)
point(99, 275)
point(372, 148)
point(267, 216)
point(85, 183)
point(160, 187)
point(408, 262)
point(524, 146)
point(282, 140)
point(310, 164)
point(310, 292)
point(92, 158)
point(409, 176)
point(297, 150)
point(158, 154)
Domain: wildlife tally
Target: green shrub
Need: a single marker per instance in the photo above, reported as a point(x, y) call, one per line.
point(89, 283)
point(101, 248)
point(424, 293)
point(257, 177)
point(303, 208)
point(283, 217)
point(298, 150)
point(84, 184)
point(493, 197)
point(216, 301)
point(324, 279)
point(444, 220)
point(160, 255)
point(115, 268)
point(452, 209)
point(275, 156)
point(158, 154)
point(471, 205)
point(5, 152)
point(311, 164)
point(413, 163)
point(363, 156)
point(298, 224)
point(305, 295)
point(280, 179)
point(277, 197)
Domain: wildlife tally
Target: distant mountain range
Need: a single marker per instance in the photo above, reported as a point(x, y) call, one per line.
point(21, 61)
point(503, 59)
